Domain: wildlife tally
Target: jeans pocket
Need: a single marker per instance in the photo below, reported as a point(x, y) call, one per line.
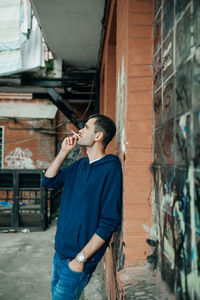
point(73, 271)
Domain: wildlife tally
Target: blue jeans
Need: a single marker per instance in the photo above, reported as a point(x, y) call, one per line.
point(67, 284)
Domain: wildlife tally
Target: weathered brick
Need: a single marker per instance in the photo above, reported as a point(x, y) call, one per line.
point(140, 57)
point(139, 70)
point(143, 98)
point(141, 31)
point(137, 211)
point(141, 19)
point(140, 6)
point(140, 44)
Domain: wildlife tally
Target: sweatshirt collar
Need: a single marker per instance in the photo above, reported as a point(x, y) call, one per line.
point(91, 162)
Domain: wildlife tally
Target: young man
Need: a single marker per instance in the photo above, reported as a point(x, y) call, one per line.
point(90, 207)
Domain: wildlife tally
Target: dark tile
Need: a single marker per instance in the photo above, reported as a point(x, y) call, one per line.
point(157, 106)
point(183, 88)
point(157, 71)
point(157, 32)
point(157, 188)
point(168, 176)
point(168, 17)
point(158, 146)
point(197, 199)
point(196, 141)
point(183, 38)
point(183, 140)
point(196, 80)
point(196, 22)
point(180, 6)
point(168, 57)
point(168, 143)
point(157, 5)
point(168, 99)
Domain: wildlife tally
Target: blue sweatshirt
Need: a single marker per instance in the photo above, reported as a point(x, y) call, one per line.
point(90, 203)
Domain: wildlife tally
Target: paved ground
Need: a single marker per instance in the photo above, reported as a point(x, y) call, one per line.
point(25, 267)
point(142, 283)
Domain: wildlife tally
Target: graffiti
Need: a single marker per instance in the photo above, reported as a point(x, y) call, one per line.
point(20, 159)
point(157, 105)
point(167, 144)
point(121, 108)
point(183, 89)
point(197, 139)
point(158, 146)
point(42, 164)
point(157, 66)
point(176, 168)
point(168, 97)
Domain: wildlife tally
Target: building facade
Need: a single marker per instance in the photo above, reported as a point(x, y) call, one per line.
point(150, 85)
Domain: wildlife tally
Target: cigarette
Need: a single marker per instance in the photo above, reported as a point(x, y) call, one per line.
point(74, 133)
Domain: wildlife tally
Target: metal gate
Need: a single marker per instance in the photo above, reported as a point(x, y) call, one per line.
point(24, 202)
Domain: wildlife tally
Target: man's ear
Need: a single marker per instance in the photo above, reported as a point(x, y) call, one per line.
point(99, 136)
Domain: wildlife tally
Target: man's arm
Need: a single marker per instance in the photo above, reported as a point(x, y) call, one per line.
point(91, 247)
point(68, 144)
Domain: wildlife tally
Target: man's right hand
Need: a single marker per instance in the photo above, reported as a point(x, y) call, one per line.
point(69, 143)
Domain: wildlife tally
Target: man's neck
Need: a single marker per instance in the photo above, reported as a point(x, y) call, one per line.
point(94, 154)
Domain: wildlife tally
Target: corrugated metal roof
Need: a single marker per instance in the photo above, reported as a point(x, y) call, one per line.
point(32, 111)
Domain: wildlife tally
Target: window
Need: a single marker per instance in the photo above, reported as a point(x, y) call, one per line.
point(1, 145)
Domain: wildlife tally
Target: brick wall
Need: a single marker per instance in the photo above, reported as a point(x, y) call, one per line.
point(128, 99)
point(138, 182)
point(28, 143)
point(33, 143)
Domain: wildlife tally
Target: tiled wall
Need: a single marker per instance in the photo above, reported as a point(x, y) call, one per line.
point(176, 168)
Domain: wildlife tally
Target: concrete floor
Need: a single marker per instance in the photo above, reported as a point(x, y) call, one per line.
point(25, 267)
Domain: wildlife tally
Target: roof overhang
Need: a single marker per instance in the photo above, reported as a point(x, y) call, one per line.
point(72, 29)
point(35, 111)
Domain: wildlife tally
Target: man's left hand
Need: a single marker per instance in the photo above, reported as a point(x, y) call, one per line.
point(76, 266)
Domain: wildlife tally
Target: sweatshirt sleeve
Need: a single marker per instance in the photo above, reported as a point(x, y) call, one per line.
point(110, 216)
point(56, 181)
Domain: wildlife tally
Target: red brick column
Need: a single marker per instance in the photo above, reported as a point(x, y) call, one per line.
point(133, 102)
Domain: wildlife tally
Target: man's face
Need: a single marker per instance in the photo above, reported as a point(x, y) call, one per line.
point(87, 135)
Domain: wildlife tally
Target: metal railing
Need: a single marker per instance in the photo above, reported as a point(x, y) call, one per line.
point(24, 202)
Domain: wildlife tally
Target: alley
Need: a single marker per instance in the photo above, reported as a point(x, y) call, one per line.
point(25, 267)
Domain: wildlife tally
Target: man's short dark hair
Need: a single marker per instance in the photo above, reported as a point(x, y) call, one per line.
point(105, 125)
